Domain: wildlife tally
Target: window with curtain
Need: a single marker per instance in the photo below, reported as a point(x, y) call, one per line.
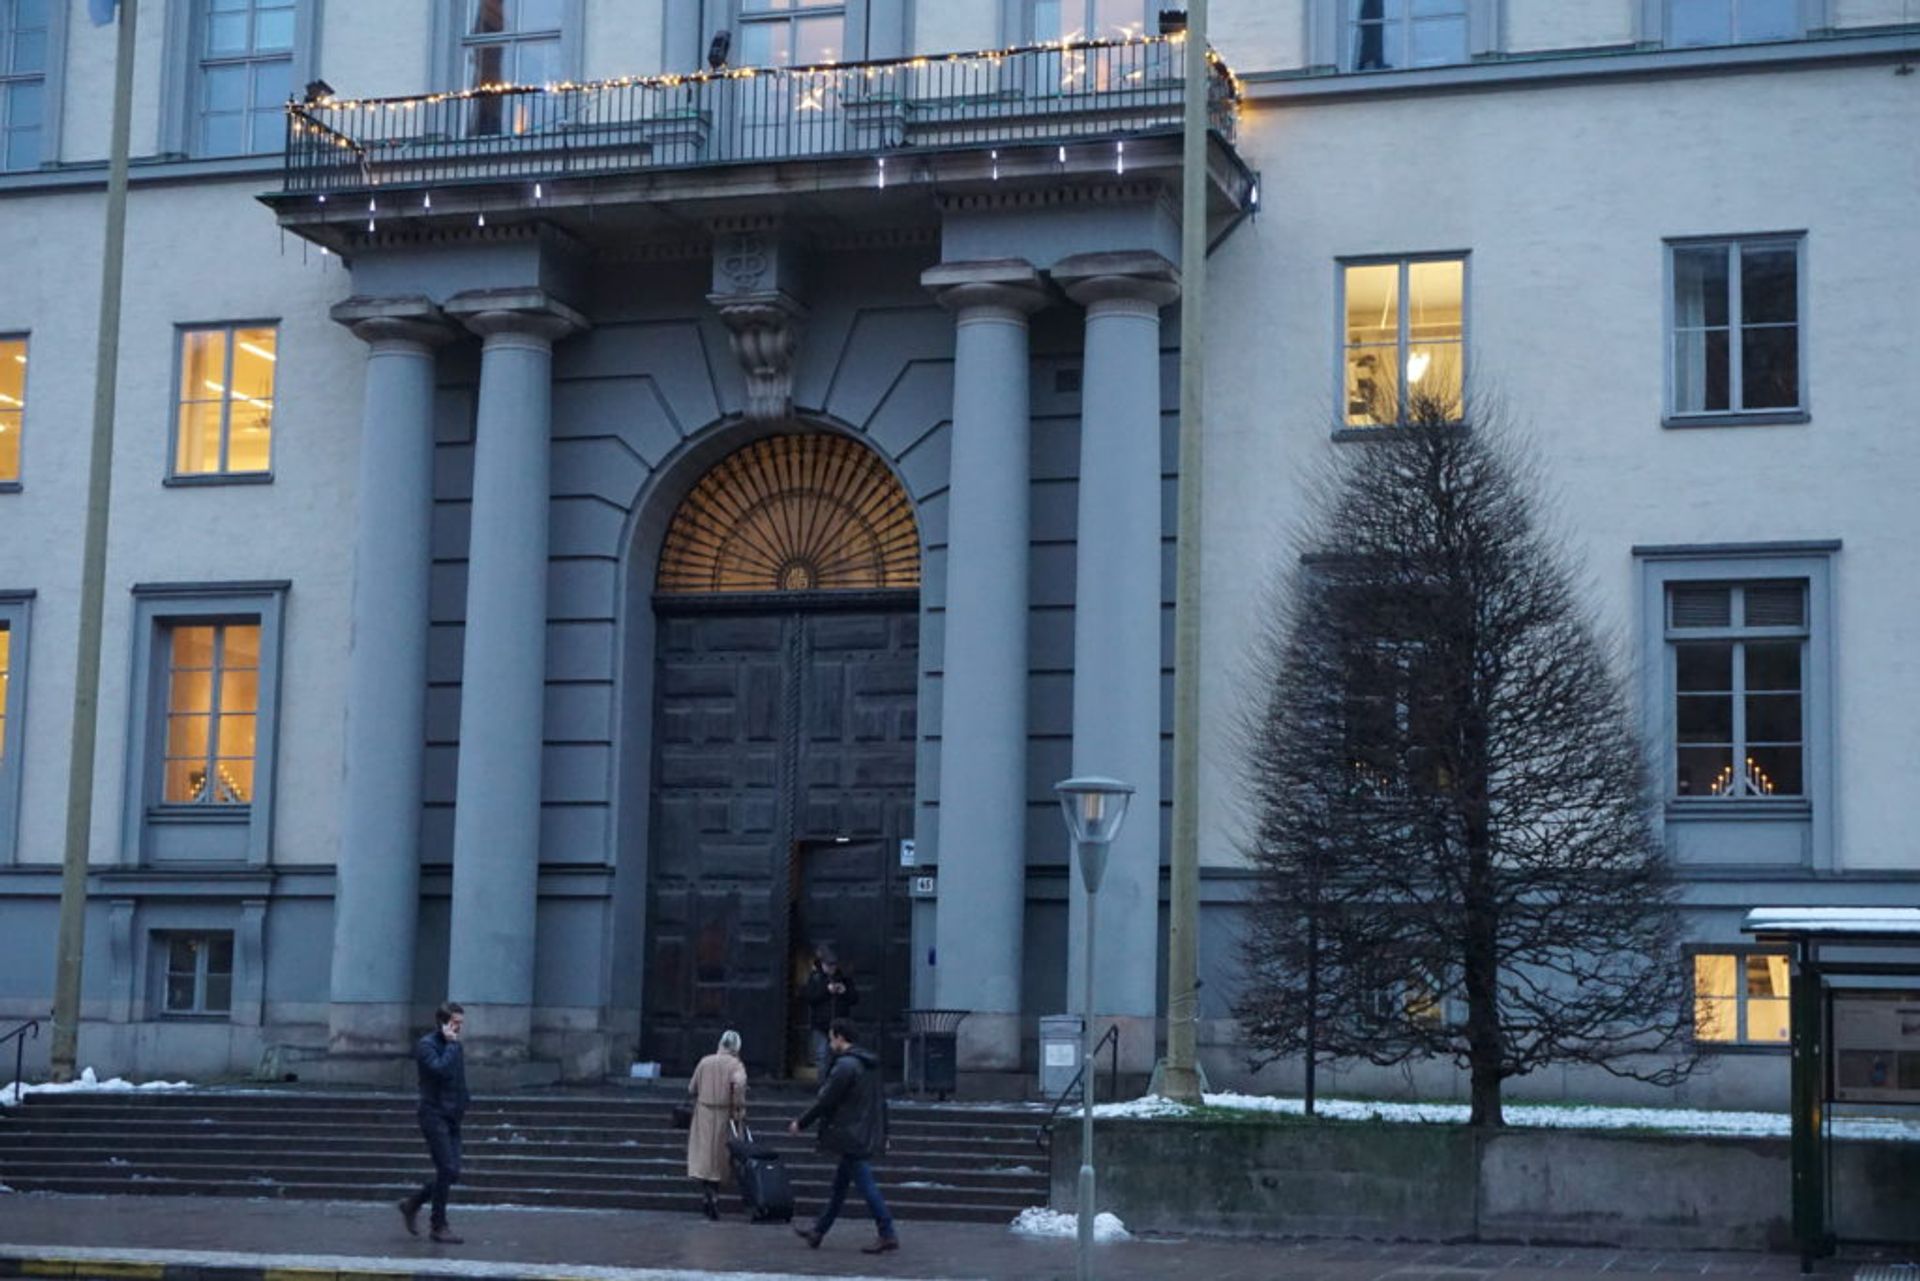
point(224, 418)
point(1403, 344)
point(1383, 35)
point(23, 82)
point(212, 713)
point(1736, 326)
point(509, 42)
point(1711, 22)
point(1739, 689)
point(1051, 21)
point(13, 405)
point(199, 976)
point(245, 76)
point(1740, 998)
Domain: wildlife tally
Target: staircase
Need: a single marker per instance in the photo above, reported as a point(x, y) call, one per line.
point(600, 1151)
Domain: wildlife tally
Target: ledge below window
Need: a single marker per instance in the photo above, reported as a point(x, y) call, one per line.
point(1767, 418)
point(197, 481)
point(1750, 810)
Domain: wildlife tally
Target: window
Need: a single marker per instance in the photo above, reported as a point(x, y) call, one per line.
point(1404, 338)
point(1711, 22)
point(1050, 21)
point(1736, 326)
point(199, 974)
point(791, 33)
point(1740, 998)
point(1385, 34)
point(23, 82)
point(13, 406)
point(1739, 691)
point(225, 420)
point(13, 692)
point(245, 76)
point(509, 42)
point(213, 705)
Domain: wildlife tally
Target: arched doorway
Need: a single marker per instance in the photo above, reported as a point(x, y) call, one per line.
point(786, 674)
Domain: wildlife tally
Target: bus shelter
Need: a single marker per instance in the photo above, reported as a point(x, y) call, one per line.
point(1854, 1026)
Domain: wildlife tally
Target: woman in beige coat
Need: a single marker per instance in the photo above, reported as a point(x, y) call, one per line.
point(718, 1090)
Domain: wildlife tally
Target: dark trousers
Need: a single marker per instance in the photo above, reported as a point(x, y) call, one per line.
point(443, 1144)
point(855, 1170)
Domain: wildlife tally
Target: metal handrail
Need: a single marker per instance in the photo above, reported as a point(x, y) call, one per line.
point(1039, 94)
point(19, 1037)
point(1044, 1135)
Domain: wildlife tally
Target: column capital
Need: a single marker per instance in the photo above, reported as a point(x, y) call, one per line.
point(1008, 287)
point(1143, 279)
point(415, 321)
point(528, 314)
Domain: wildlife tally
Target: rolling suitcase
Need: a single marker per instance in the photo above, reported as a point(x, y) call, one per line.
point(761, 1177)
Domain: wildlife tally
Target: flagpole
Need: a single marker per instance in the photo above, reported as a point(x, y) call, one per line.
point(71, 947)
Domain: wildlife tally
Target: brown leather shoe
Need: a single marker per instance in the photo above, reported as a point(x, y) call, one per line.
point(881, 1245)
point(808, 1235)
point(410, 1215)
point(445, 1236)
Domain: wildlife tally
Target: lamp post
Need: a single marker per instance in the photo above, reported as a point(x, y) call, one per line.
point(1094, 808)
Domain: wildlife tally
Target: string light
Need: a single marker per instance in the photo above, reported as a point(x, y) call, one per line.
point(883, 173)
point(1120, 157)
point(996, 165)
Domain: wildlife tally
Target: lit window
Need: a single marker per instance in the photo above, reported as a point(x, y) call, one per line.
point(225, 420)
point(1711, 22)
point(1052, 21)
point(246, 75)
point(1740, 998)
point(23, 82)
point(1739, 689)
point(1385, 34)
point(1736, 326)
point(213, 703)
point(1404, 340)
point(199, 973)
point(509, 42)
point(792, 33)
point(13, 405)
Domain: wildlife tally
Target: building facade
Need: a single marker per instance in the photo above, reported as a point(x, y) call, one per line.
point(606, 497)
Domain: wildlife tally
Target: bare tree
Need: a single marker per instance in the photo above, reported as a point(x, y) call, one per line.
point(1452, 811)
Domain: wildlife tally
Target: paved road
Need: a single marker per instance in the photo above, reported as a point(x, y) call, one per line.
point(202, 1239)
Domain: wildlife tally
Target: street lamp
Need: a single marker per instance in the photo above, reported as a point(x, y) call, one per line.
point(1094, 808)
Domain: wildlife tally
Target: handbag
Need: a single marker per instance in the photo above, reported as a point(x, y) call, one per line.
point(683, 1116)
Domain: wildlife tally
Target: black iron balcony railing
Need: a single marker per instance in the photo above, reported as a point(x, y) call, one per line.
point(1069, 93)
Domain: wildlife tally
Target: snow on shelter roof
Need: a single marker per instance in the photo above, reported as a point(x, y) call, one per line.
point(1875, 922)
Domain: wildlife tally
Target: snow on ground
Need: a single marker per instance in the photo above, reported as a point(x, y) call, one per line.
point(1037, 1222)
point(1557, 1116)
point(87, 1084)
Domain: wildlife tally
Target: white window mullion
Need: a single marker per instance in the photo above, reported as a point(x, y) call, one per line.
point(1736, 337)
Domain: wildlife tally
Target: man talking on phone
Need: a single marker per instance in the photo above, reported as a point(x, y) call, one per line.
point(443, 1101)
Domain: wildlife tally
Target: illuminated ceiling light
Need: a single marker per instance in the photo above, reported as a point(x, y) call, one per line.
point(257, 350)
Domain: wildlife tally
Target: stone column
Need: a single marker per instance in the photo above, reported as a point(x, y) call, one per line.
point(496, 823)
point(376, 903)
point(978, 931)
point(1117, 621)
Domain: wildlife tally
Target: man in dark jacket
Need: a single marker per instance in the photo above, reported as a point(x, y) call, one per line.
point(830, 995)
point(443, 1101)
point(852, 1111)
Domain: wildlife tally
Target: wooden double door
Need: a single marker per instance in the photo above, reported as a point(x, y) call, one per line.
point(784, 750)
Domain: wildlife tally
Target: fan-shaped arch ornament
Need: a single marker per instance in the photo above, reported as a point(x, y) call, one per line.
point(792, 514)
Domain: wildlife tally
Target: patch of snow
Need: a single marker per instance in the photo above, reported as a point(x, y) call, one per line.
point(1036, 1221)
point(87, 1084)
point(922, 1183)
point(1675, 1120)
point(1011, 1169)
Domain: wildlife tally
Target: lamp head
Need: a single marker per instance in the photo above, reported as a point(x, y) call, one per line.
point(1094, 807)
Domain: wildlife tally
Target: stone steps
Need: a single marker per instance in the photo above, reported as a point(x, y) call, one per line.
point(613, 1151)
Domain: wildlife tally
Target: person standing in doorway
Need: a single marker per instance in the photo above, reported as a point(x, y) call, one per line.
point(443, 1101)
point(852, 1111)
point(830, 995)
point(718, 1090)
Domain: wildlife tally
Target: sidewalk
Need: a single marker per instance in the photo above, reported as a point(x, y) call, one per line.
point(204, 1239)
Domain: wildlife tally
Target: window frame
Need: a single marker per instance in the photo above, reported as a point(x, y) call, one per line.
point(1329, 21)
point(53, 79)
point(174, 476)
point(1671, 415)
point(1656, 25)
point(449, 43)
point(1344, 430)
point(156, 833)
point(180, 75)
point(16, 617)
point(13, 484)
point(1812, 561)
point(1741, 1043)
point(200, 1009)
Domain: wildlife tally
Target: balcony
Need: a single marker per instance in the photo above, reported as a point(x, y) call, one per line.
point(699, 142)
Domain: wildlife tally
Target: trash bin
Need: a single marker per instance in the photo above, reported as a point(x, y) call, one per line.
point(1059, 1053)
point(933, 1052)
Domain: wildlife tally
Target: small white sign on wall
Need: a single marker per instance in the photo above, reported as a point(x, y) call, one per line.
point(906, 852)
